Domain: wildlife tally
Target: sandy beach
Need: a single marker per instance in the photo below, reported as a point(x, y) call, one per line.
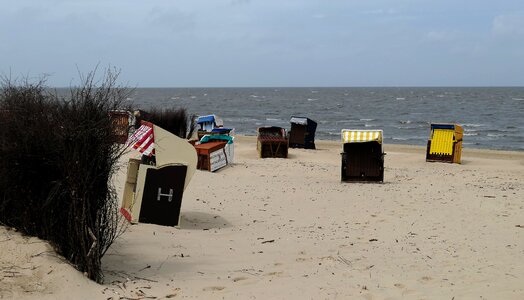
point(290, 229)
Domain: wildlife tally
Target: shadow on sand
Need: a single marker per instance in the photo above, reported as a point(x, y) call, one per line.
point(201, 221)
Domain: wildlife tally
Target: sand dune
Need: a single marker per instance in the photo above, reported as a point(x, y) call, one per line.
point(289, 229)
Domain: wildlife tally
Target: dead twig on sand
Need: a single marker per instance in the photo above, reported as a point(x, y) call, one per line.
point(344, 260)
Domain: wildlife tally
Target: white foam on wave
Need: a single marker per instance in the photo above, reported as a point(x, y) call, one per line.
point(311, 99)
point(473, 125)
point(470, 134)
point(345, 121)
point(517, 99)
point(367, 119)
point(271, 119)
point(401, 98)
point(399, 139)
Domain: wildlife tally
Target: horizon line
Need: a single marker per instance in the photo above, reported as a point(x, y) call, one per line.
point(317, 87)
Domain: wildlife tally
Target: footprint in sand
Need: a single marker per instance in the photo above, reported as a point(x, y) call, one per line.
point(213, 288)
point(301, 259)
point(273, 273)
point(426, 279)
point(399, 285)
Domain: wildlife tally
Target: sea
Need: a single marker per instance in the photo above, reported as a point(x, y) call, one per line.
point(492, 117)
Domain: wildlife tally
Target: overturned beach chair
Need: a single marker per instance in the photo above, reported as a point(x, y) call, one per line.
point(215, 152)
point(302, 133)
point(445, 143)
point(272, 141)
point(153, 193)
point(362, 156)
point(211, 124)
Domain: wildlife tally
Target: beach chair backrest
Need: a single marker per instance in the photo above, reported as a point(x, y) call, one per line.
point(442, 142)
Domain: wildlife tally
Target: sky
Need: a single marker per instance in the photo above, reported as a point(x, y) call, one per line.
point(273, 43)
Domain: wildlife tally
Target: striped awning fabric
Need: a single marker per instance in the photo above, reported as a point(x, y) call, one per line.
point(143, 140)
point(359, 136)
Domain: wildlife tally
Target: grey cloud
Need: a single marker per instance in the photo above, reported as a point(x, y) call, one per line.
point(509, 24)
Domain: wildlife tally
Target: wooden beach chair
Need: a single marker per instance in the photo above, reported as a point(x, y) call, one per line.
point(272, 141)
point(362, 156)
point(153, 193)
point(445, 143)
point(302, 133)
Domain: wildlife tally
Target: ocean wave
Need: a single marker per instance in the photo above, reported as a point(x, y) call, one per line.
point(404, 122)
point(367, 119)
point(346, 121)
point(470, 134)
point(399, 139)
point(330, 133)
point(473, 125)
point(517, 99)
point(400, 98)
point(311, 99)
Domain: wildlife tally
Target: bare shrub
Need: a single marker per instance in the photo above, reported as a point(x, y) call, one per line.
point(58, 157)
point(176, 121)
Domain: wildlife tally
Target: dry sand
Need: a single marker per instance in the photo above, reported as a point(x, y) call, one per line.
point(289, 229)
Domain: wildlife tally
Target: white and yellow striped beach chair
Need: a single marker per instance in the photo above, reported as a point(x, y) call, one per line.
point(363, 155)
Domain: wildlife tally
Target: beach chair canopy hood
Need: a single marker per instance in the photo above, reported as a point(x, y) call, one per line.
point(299, 120)
point(361, 136)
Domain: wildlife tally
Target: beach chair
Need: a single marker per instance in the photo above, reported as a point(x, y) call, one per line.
point(153, 193)
point(362, 156)
point(120, 125)
point(302, 133)
point(214, 152)
point(445, 143)
point(211, 124)
point(272, 141)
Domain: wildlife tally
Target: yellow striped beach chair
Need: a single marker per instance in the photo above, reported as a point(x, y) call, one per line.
point(362, 156)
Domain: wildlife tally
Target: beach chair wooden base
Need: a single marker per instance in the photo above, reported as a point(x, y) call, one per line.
point(455, 156)
point(362, 162)
point(206, 153)
point(273, 149)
